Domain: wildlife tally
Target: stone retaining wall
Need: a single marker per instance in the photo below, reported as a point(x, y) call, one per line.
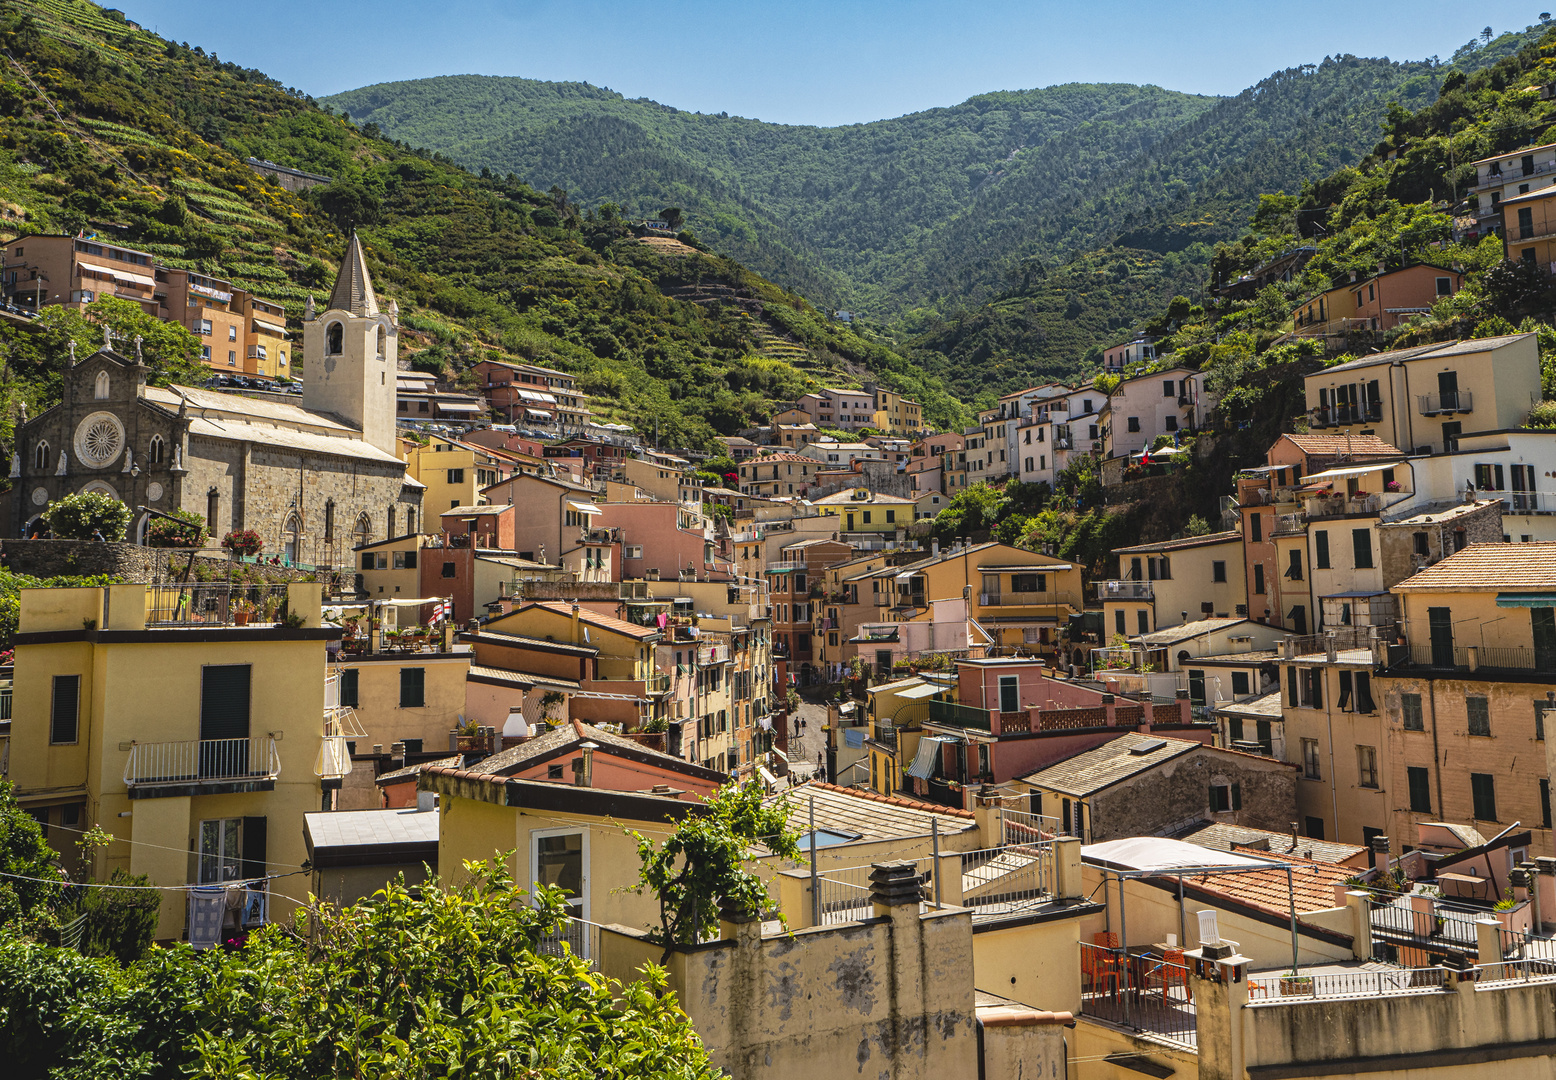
point(131, 562)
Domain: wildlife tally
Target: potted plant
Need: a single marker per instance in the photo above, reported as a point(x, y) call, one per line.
point(548, 704)
point(1392, 485)
point(241, 612)
point(1295, 985)
point(468, 737)
point(243, 542)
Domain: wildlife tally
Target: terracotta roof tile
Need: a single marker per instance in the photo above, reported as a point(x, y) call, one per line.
point(1312, 885)
point(1356, 445)
point(1485, 567)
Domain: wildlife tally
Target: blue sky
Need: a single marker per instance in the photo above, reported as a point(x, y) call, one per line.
point(816, 61)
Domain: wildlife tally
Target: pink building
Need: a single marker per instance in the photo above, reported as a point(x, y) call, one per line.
point(663, 540)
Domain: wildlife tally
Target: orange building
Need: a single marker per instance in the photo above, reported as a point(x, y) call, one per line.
point(1529, 227)
point(1379, 302)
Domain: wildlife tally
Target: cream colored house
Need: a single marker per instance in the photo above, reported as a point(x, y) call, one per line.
point(1424, 399)
point(1174, 582)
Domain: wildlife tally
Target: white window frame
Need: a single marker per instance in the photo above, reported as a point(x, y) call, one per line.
point(583, 905)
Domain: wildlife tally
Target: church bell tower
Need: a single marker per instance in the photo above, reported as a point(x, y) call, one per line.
point(349, 354)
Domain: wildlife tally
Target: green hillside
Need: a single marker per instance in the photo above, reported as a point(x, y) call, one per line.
point(935, 214)
point(113, 130)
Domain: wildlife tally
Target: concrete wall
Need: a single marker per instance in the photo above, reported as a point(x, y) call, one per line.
point(892, 996)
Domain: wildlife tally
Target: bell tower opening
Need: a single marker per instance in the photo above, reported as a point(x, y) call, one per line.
point(342, 347)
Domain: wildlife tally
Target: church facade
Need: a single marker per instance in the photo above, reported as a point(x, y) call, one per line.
point(314, 481)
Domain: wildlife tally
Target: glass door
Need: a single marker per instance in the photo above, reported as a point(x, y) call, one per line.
point(560, 859)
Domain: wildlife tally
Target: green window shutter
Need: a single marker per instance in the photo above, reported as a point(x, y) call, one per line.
point(254, 858)
point(413, 688)
point(65, 715)
point(1237, 796)
point(348, 688)
point(224, 701)
point(410, 559)
point(367, 560)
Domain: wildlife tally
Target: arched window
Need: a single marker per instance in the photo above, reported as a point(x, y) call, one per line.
point(410, 520)
point(293, 535)
point(157, 452)
point(40, 456)
point(100, 391)
point(334, 335)
point(391, 533)
point(383, 338)
point(329, 521)
point(363, 532)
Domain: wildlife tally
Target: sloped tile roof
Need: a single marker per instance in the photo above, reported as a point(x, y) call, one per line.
point(1224, 836)
point(1484, 567)
point(1312, 885)
point(1109, 763)
point(872, 815)
point(1357, 445)
point(1186, 542)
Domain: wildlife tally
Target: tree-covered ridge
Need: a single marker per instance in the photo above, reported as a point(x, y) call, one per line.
point(1298, 128)
point(851, 200)
point(116, 131)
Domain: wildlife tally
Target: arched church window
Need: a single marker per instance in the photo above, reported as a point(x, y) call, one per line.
point(329, 521)
point(364, 530)
point(410, 520)
point(40, 456)
point(157, 452)
point(333, 338)
point(391, 533)
point(383, 338)
point(100, 391)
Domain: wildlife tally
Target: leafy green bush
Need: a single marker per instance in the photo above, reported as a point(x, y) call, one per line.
point(190, 531)
point(88, 515)
point(440, 982)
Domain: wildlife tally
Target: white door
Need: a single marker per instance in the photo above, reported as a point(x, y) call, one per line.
point(560, 858)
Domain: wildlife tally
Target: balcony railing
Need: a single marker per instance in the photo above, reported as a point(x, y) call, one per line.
point(1319, 507)
point(1345, 984)
point(334, 760)
point(1473, 658)
point(954, 715)
point(202, 761)
point(1452, 401)
point(713, 654)
point(1128, 589)
point(1526, 502)
point(1048, 598)
point(214, 603)
point(1290, 524)
point(1367, 412)
point(1008, 881)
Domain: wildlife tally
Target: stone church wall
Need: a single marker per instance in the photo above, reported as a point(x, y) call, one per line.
point(58, 558)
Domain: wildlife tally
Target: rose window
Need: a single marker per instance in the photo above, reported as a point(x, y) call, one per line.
point(99, 440)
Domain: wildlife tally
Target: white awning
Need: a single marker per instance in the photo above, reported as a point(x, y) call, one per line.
point(269, 322)
point(586, 508)
point(458, 406)
point(1347, 474)
point(537, 414)
point(531, 395)
point(410, 603)
point(144, 281)
point(921, 691)
point(925, 760)
point(907, 575)
point(1160, 853)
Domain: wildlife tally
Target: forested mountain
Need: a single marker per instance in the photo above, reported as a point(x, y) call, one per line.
point(115, 131)
point(929, 217)
point(851, 202)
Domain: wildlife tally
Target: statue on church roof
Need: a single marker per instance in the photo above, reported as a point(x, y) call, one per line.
point(308, 313)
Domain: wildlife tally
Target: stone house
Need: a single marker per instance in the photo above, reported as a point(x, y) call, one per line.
point(1136, 784)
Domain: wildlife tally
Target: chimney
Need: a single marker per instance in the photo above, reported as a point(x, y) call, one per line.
point(1329, 646)
point(1293, 837)
point(575, 623)
point(583, 766)
point(894, 884)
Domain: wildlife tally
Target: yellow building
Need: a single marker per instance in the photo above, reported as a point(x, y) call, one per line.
point(1018, 596)
point(197, 742)
point(1422, 399)
point(896, 714)
point(571, 836)
point(862, 510)
point(454, 473)
point(1175, 582)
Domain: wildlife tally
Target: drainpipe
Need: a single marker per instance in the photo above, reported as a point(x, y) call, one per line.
point(1437, 760)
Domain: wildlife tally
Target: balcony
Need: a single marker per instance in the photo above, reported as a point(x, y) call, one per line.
point(1290, 524)
point(1368, 412)
point(1477, 658)
point(1126, 590)
point(1452, 401)
point(202, 763)
point(1339, 506)
point(214, 603)
point(785, 567)
point(713, 654)
point(950, 714)
point(1514, 502)
point(334, 760)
